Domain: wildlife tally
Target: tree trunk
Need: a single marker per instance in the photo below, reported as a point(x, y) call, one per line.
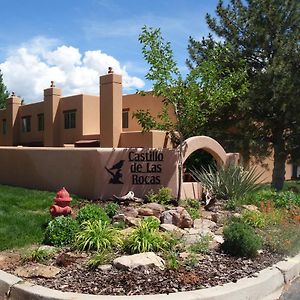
point(180, 168)
point(280, 157)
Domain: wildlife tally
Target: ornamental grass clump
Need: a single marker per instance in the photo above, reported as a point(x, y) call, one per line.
point(146, 237)
point(92, 212)
point(241, 240)
point(61, 231)
point(97, 235)
point(231, 182)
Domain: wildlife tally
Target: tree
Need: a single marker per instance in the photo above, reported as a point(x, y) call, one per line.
point(3, 92)
point(266, 35)
point(193, 99)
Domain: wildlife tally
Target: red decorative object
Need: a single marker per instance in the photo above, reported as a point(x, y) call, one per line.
point(61, 204)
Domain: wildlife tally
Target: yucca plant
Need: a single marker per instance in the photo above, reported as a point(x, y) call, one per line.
point(146, 237)
point(97, 235)
point(231, 182)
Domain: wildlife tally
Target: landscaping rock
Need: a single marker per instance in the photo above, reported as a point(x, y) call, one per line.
point(219, 231)
point(204, 224)
point(219, 239)
point(130, 212)
point(37, 270)
point(156, 208)
point(173, 229)
point(178, 217)
point(129, 262)
point(189, 239)
point(126, 231)
point(206, 214)
point(131, 221)
point(145, 211)
point(105, 267)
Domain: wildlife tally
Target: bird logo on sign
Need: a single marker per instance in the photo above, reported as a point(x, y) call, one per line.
point(115, 172)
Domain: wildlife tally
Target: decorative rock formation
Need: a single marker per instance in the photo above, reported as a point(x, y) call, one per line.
point(178, 217)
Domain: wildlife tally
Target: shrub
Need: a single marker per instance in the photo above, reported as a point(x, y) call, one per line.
point(230, 182)
point(92, 212)
point(97, 235)
point(61, 231)
point(39, 255)
point(241, 240)
point(163, 196)
point(146, 237)
point(193, 203)
point(111, 209)
point(202, 245)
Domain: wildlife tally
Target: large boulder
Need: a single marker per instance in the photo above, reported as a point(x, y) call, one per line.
point(129, 262)
point(153, 209)
point(178, 217)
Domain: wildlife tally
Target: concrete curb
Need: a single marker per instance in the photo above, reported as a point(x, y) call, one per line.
point(267, 285)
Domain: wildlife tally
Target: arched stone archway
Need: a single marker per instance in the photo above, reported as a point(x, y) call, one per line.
point(205, 143)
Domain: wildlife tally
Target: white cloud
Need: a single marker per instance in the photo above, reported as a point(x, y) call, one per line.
point(29, 69)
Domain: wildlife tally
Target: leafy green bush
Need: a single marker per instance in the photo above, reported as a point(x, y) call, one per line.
point(97, 235)
point(40, 255)
point(241, 240)
point(231, 182)
point(283, 238)
point(193, 203)
point(111, 209)
point(61, 231)
point(163, 196)
point(92, 212)
point(202, 245)
point(146, 237)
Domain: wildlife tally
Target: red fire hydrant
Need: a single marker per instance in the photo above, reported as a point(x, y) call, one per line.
point(61, 204)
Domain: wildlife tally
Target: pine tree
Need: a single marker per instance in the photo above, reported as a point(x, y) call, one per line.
point(3, 92)
point(266, 34)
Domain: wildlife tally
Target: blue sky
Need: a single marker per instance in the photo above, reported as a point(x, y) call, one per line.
point(73, 41)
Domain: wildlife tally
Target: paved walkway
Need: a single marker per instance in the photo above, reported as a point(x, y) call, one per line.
point(293, 292)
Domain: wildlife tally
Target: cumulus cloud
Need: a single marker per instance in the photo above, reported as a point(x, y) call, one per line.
point(29, 69)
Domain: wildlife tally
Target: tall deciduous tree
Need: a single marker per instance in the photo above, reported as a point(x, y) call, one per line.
point(193, 98)
point(3, 92)
point(265, 34)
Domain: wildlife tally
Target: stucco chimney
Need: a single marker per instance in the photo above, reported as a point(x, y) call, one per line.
point(12, 108)
point(110, 109)
point(51, 102)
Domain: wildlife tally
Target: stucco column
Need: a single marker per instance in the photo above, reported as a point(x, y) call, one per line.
point(51, 119)
point(110, 109)
point(13, 125)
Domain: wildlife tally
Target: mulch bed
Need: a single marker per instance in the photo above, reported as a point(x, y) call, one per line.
point(214, 269)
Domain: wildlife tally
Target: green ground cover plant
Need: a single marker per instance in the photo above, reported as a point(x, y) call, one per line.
point(163, 196)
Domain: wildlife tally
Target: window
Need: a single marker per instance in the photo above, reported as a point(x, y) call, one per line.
point(125, 117)
point(26, 124)
point(4, 126)
point(40, 122)
point(70, 119)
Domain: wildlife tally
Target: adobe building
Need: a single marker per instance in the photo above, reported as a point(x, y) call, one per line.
point(93, 146)
point(78, 120)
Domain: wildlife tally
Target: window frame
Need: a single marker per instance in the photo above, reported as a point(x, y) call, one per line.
point(125, 118)
point(70, 119)
point(40, 122)
point(26, 124)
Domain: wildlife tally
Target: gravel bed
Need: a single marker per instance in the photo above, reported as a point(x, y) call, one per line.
point(215, 268)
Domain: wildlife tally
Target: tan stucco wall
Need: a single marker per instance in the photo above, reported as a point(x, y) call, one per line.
point(152, 139)
point(136, 102)
point(91, 112)
point(82, 171)
point(31, 110)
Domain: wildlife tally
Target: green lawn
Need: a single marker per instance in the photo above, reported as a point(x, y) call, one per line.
point(24, 213)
